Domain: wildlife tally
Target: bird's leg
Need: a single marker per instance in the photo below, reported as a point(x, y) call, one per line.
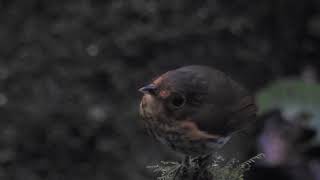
point(186, 161)
point(183, 169)
point(203, 164)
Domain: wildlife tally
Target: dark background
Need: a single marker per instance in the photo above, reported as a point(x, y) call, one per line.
point(70, 70)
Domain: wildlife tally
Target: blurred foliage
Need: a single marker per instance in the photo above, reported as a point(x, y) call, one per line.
point(290, 94)
point(297, 100)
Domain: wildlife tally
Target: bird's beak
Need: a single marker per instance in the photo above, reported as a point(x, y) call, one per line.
point(148, 89)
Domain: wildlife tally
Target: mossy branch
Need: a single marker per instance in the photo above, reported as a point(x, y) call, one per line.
point(218, 169)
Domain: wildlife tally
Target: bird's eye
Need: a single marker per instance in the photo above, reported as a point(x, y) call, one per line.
point(178, 100)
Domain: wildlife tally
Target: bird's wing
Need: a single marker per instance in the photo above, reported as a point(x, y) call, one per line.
point(227, 119)
point(242, 114)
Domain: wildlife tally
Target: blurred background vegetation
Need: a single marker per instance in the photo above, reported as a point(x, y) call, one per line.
point(70, 70)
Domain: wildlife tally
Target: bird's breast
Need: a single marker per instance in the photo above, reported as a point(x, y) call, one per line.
point(171, 132)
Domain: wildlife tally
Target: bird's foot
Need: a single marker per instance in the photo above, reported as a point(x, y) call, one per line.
point(203, 162)
point(183, 171)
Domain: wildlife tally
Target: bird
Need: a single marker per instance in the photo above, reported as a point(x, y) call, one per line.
point(195, 109)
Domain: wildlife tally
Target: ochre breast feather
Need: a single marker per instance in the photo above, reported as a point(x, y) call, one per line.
point(194, 133)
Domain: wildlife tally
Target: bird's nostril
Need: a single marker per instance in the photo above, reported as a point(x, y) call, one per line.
point(143, 90)
point(149, 89)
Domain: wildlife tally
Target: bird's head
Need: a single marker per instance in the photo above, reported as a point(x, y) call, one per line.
point(177, 94)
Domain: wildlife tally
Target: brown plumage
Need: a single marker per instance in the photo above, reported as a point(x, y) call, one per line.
point(195, 109)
